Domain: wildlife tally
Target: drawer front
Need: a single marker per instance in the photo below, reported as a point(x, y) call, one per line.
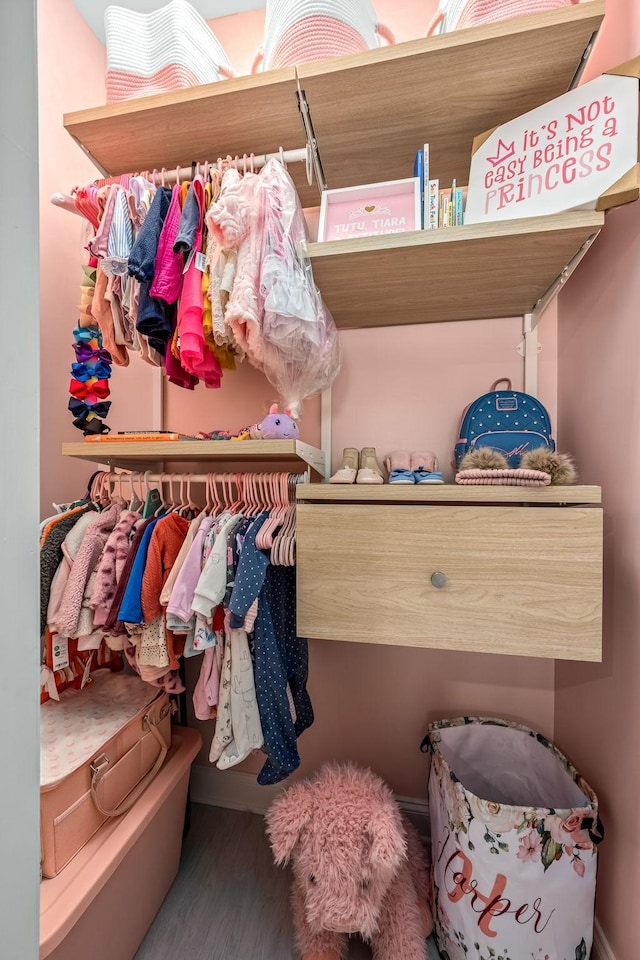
point(513, 580)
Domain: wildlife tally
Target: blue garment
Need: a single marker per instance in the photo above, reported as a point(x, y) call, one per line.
point(280, 656)
point(156, 319)
point(131, 607)
point(189, 222)
point(142, 259)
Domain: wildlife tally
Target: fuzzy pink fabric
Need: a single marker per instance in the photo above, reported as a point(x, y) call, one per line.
point(504, 478)
point(358, 865)
point(111, 565)
point(93, 542)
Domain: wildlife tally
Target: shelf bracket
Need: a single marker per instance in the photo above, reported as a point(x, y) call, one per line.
point(560, 281)
point(529, 349)
point(305, 113)
point(583, 62)
point(325, 429)
point(316, 459)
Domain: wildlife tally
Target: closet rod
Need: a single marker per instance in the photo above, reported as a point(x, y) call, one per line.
point(175, 478)
point(303, 155)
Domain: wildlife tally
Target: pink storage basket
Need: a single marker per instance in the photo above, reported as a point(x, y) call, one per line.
point(303, 31)
point(168, 49)
point(458, 14)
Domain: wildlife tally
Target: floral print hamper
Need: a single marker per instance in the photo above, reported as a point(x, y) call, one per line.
point(514, 831)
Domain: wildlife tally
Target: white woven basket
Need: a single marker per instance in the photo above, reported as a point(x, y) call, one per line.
point(300, 31)
point(172, 47)
point(458, 14)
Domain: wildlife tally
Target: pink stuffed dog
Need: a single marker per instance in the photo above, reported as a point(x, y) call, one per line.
point(358, 865)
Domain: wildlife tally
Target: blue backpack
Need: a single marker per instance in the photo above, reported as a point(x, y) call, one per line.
point(505, 420)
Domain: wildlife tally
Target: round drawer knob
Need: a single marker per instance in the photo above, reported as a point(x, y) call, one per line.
point(439, 579)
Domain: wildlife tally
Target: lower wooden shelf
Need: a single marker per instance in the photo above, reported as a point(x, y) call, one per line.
point(444, 493)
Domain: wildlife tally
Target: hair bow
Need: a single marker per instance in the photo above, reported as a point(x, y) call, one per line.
point(79, 408)
point(84, 371)
point(85, 351)
point(88, 390)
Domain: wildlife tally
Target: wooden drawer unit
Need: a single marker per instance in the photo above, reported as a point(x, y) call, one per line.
point(508, 579)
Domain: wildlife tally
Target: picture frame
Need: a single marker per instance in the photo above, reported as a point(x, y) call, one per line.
point(373, 209)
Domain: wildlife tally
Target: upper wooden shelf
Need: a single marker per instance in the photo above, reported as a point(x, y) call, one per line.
point(246, 114)
point(444, 493)
point(229, 452)
point(457, 273)
point(372, 111)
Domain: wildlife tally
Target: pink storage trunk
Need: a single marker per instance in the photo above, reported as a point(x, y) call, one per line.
point(102, 904)
point(104, 740)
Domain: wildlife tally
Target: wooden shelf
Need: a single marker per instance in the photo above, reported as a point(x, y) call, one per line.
point(444, 493)
point(236, 454)
point(372, 111)
point(246, 114)
point(458, 273)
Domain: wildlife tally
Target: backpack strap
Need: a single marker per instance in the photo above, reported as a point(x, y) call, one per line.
point(501, 380)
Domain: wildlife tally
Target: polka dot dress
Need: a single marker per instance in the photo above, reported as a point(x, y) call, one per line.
point(281, 657)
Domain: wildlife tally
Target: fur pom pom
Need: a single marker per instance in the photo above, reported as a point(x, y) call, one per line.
point(483, 459)
point(558, 465)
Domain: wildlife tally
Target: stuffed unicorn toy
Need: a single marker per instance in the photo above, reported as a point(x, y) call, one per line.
point(276, 426)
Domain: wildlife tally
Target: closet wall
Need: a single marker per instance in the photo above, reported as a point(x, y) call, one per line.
point(597, 709)
point(400, 387)
point(71, 76)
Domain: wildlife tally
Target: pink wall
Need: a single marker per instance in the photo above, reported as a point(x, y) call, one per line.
point(400, 387)
point(71, 76)
point(597, 707)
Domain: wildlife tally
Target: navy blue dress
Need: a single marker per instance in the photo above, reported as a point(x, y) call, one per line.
point(281, 657)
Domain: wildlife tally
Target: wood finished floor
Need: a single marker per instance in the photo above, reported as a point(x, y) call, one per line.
point(229, 901)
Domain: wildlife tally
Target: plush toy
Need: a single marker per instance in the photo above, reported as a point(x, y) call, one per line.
point(276, 426)
point(358, 866)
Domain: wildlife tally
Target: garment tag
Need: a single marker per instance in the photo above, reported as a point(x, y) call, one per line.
point(60, 653)
point(189, 259)
point(86, 671)
point(201, 262)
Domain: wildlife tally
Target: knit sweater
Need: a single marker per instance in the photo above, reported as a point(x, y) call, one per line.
point(93, 542)
point(51, 556)
point(164, 547)
point(111, 565)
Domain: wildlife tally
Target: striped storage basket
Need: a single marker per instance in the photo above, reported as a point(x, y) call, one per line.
point(165, 50)
point(458, 14)
point(301, 31)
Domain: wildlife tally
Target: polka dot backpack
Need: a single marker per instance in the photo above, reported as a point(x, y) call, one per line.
point(504, 420)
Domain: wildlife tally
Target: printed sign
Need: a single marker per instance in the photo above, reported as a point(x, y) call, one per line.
point(378, 208)
point(560, 156)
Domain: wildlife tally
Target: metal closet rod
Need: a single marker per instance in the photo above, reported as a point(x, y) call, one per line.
point(195, 477)
point(246, 161)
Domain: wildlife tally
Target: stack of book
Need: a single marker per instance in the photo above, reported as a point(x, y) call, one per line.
point(440, 207)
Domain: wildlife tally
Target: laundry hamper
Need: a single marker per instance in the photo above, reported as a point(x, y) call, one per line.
point(169, 49)
point(514, 833)
point(457, 14)
point(302, 31)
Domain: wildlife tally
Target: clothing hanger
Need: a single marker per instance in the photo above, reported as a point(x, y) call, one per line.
point(192, 507)
point(264, 537)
